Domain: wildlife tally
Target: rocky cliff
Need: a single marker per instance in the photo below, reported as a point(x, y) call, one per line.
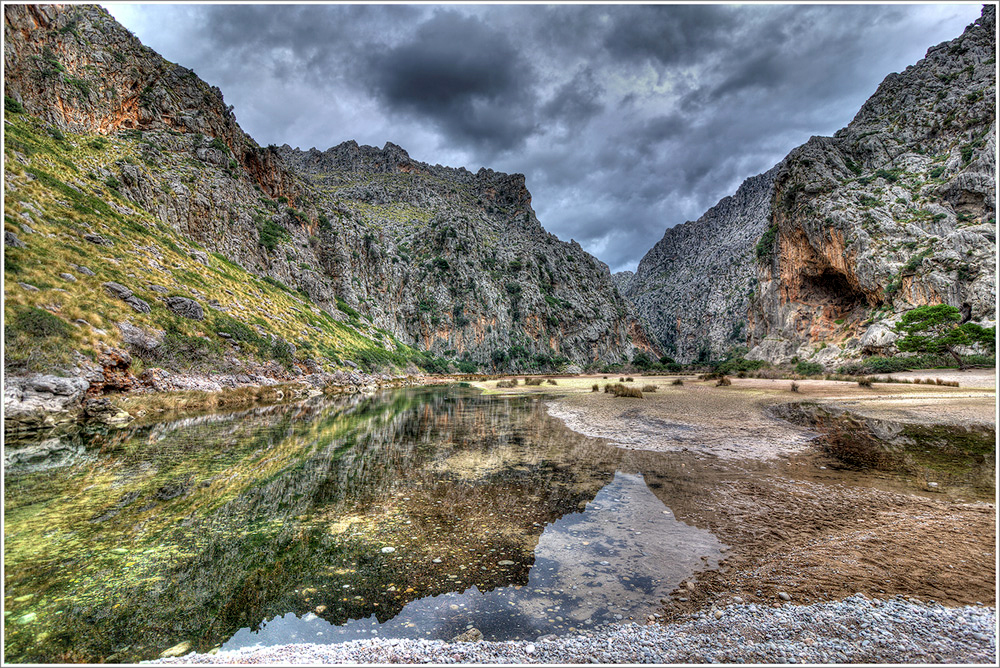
point(356, 253)
point(820, 256)
point(894, 211)
point(693, 288)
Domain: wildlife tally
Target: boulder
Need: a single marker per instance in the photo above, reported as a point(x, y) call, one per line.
point(121, 292)
point(97, 239)
point(37, 401)
point(140, 339)
point(186, 308)
point(103, 411)
point(10, 239)
point(878, 338)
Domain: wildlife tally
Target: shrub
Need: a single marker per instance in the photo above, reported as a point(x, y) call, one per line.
point(723, 382)
point(620, 390)
point(39, 323)
point(507, 383)
point(630, 392)
point(219, 145)
point(677, 381)
point(551, 382)
point(864, 382)
point(112, 183)
point(13, 106)
point(649, 388)
point(272, 234)
point(630, 379)
point(795, 387)
point(808, 368)
point(595, 388)
point(533, 381)
point(765, 247)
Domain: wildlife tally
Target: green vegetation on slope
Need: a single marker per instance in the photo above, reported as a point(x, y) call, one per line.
point(55, 201)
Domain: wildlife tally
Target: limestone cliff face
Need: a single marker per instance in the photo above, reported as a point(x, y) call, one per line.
point(455, 260)
point(894, 211)
point(692, 289)
point(450, 261)
point(818, 257)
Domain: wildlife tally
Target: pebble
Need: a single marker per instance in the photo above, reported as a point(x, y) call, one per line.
point(784, 596)
point(388, 550)
point(828, 632)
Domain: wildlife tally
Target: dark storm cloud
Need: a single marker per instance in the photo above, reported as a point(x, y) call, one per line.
point(576, 101)
point(466, 78)
point(624, 119)
point(675, 35)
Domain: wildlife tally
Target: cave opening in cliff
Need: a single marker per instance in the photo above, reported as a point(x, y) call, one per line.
point(833, 289)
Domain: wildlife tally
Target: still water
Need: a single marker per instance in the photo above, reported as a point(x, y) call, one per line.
point(413, 513)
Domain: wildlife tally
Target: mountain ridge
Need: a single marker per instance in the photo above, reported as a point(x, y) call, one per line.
point(400, 253)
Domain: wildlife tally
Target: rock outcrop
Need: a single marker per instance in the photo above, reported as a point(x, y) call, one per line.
point(894, 211)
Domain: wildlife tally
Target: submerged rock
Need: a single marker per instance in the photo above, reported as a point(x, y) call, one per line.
point(49, 454)
point(179, 649)
point(472, 635)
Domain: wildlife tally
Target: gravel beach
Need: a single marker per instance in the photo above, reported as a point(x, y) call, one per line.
point(854, 630)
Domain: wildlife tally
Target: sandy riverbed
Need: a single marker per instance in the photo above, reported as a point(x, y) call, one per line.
point(796, 521)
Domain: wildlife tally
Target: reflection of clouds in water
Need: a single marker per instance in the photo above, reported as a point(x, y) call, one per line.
point(614, 560)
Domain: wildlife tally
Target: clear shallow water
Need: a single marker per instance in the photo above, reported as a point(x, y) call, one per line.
point(415, 513)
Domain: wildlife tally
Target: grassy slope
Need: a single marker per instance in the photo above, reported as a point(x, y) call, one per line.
point(57, 185)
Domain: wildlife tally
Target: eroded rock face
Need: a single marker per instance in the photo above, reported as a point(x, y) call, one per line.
point(40, 401)
point(458, 261)
point(693, 287)
point(894, 211)
point(818, 257)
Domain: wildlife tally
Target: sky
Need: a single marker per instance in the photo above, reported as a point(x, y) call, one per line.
point(624, 119)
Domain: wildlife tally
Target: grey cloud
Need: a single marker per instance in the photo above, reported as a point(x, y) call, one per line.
point(467, 79)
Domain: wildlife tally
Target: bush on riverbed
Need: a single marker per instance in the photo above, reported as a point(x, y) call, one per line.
point(533, 381)
point(677, 381)
point(649, 388)
point(507, 383)
point(595, 388)
point(551, 382)
point(723, 382)
point(620, 390)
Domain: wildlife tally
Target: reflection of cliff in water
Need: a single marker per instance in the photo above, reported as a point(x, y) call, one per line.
point(193, 529)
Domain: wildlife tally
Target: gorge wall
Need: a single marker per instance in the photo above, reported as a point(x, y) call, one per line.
point(371, 251)
point(820, 256)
